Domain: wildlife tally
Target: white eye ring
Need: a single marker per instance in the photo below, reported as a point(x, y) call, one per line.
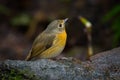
point(60, 25)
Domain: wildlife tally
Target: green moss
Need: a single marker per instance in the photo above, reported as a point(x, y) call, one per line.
point(13, 74)
point(10, 75)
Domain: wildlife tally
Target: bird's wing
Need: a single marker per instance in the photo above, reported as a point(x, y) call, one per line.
point(41, 43)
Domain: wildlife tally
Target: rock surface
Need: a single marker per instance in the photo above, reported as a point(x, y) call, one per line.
point(103, 66)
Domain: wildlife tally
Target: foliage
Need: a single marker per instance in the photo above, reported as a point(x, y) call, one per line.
point(4, 10)
point(21, 19)
point(114, 17)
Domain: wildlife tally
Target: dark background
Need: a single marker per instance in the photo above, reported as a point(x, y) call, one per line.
point(22, 20)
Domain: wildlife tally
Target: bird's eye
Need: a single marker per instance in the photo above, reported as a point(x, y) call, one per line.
point(60, 26)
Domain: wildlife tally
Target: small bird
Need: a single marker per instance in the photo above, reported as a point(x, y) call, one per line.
point(51, 42)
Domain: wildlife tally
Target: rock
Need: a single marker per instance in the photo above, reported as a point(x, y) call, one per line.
point(103, 66)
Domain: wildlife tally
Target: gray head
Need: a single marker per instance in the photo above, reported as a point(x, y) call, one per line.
point(56, 26)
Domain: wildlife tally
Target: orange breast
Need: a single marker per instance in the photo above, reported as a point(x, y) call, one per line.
point(61, 39)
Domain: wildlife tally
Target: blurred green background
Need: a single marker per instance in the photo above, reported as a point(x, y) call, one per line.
point(22, 20)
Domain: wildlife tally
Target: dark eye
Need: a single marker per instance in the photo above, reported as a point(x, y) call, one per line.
point(60, 25)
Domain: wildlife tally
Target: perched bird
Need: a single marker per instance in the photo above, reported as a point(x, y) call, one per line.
point(50, 43)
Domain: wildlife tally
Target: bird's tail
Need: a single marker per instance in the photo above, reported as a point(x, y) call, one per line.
point(28, 56)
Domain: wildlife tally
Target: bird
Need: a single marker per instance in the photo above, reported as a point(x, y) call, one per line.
point(50, 43)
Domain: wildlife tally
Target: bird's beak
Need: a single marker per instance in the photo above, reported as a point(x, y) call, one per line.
point(65, 20)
